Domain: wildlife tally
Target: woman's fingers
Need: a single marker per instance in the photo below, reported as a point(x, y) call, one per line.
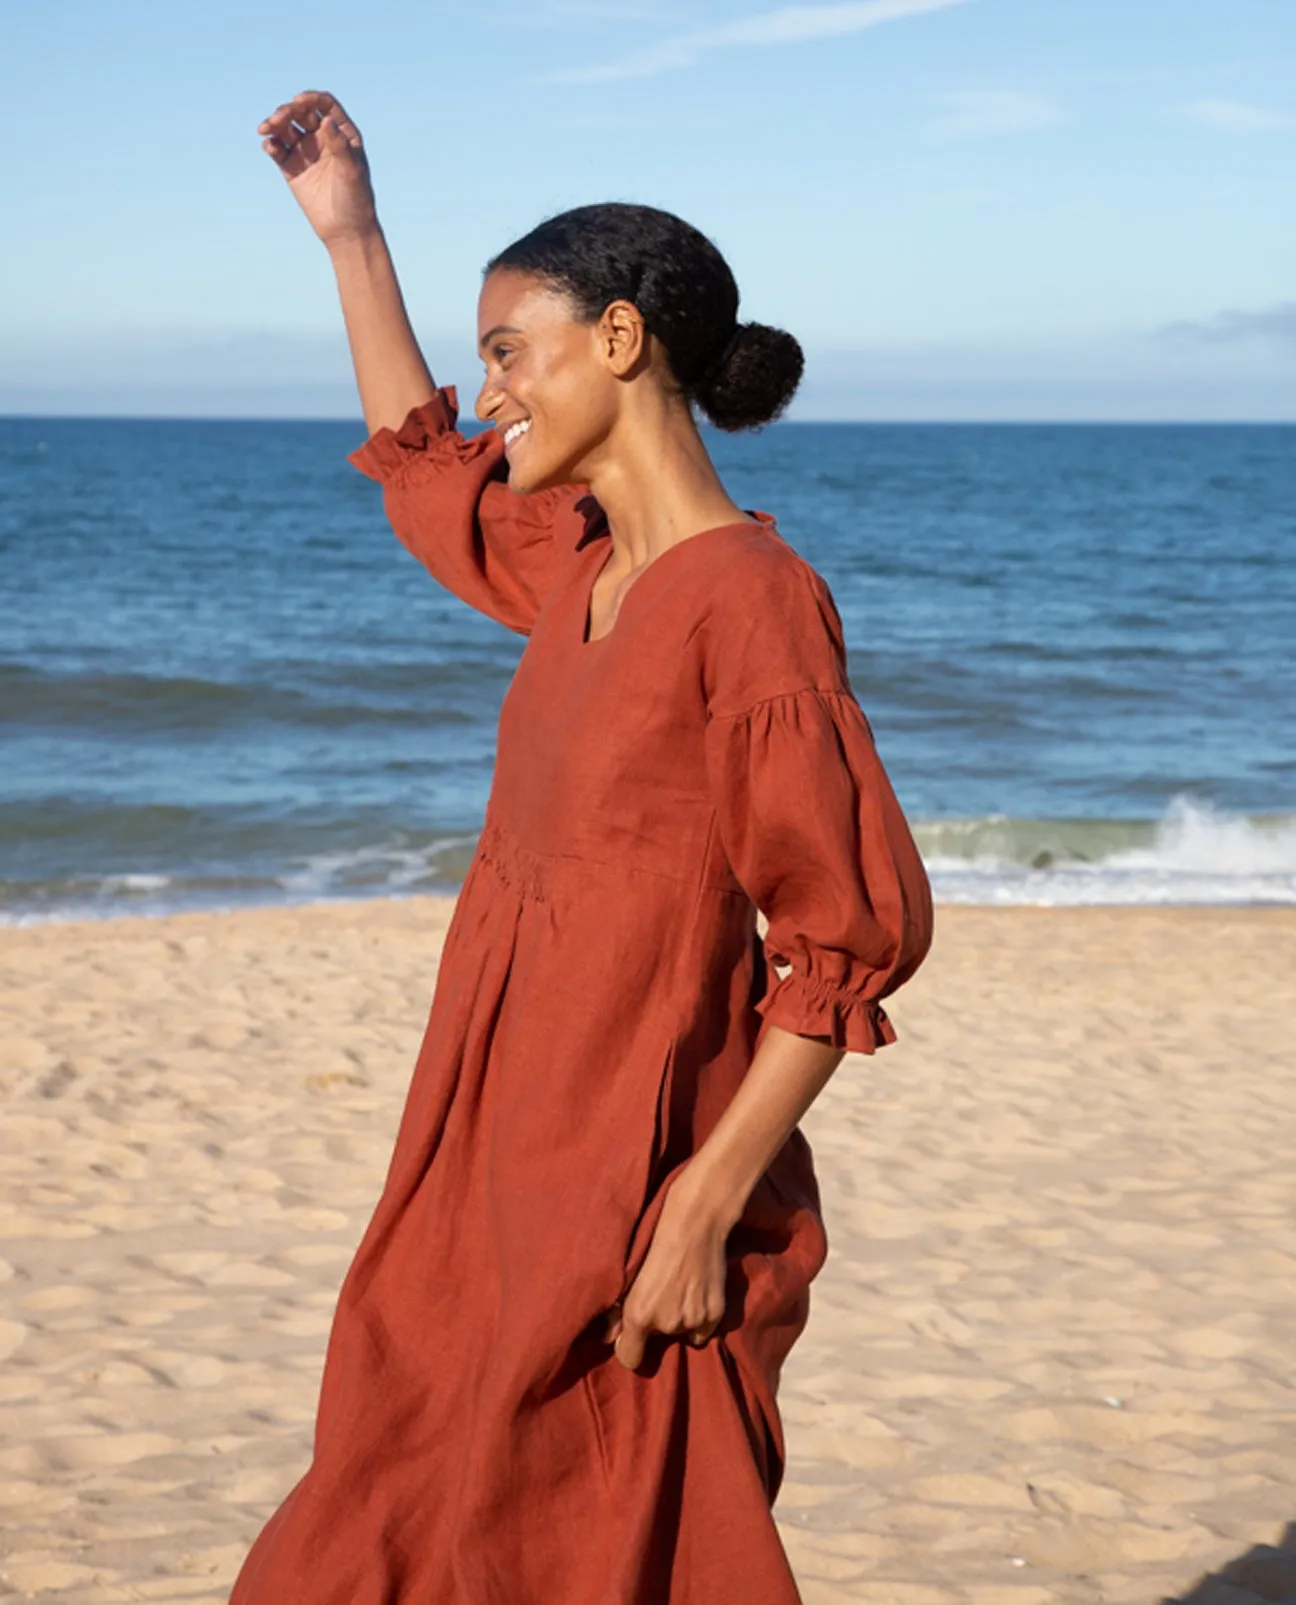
point(293, 159)
point(631, 1341)
point(295, 118)
point(332, 138)
point(279, 120)
point(350, 133)
point(287, 151)
point(281, 141)
point(628, 1332)
point(296, 131)
point(701, 1332)
point(334, 111)
point(313, 106)
point(292, 146)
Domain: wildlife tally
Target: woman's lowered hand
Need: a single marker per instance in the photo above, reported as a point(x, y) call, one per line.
point(319, 151)
point(681, 1285)
point(680, 1288)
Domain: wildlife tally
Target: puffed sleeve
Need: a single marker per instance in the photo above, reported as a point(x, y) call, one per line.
point(448, 500)
point(811, 826)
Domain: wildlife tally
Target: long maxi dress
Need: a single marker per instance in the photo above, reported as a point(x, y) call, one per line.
point(601, 991)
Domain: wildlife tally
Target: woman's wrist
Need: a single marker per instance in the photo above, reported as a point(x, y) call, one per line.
point(786, 1074)
point(360, 242)
point(712, 1194)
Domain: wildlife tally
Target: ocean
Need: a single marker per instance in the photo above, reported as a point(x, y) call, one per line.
point(223, 681)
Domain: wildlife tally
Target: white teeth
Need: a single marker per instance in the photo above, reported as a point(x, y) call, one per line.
point(516, 431)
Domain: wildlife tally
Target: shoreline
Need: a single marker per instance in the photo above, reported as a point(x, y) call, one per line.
point(1048, 1361)
point(1190, 855)
point(125, 917)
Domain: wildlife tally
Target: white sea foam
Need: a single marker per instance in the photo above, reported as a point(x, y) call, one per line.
point(1194, 854)
point(116, 885)
point(385, 866)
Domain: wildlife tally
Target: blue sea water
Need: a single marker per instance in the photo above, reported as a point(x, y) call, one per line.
point(222, 680)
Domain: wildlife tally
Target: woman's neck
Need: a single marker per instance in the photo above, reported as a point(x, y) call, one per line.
point(656, 483)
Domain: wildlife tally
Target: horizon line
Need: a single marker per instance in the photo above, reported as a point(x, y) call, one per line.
point(953, 421)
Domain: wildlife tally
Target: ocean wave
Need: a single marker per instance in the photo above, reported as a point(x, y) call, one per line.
point(394, 868)
point(109, 705)
point(390, 867)
point(1194, 854)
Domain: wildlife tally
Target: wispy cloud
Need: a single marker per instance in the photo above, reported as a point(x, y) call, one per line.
point(597, 121)
point(1272, 325)
point(988, 111)
point(1236, 116)
point(556, 16)
point(604, 11)
point(788, 25)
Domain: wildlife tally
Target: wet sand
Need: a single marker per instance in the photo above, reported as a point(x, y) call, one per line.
point(1052, 1357)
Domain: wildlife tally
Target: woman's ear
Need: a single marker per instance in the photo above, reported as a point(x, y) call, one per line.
point(622, 337)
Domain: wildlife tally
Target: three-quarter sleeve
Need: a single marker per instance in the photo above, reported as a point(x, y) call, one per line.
point(811, 825)
point(448, 500)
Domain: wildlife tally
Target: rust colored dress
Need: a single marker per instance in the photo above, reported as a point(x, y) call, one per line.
point(601, 991)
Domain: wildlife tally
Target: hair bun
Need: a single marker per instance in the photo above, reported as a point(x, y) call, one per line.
point(755, 381)
point(740, 375)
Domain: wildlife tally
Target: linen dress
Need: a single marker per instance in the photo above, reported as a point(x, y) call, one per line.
point(601, 991)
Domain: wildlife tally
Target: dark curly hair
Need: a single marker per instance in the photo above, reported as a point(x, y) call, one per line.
point(741, 375)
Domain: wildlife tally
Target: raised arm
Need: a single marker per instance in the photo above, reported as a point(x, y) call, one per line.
point(318, 149)
point(447, 497)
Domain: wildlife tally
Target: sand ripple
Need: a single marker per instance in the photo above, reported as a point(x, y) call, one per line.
point(1051, 1361)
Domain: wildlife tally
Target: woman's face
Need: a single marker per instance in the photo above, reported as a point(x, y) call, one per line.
point(553, 384)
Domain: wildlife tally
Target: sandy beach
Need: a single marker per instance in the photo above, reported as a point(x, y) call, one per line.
point(1051, 1358)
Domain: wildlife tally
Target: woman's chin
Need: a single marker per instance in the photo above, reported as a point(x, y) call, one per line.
point(524, 480)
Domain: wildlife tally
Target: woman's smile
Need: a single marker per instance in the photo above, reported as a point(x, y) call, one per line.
point(637, 812)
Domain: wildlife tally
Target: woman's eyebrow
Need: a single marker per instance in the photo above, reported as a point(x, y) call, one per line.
point(500, 328)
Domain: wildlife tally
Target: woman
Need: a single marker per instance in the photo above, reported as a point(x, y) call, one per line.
point(551, 1376)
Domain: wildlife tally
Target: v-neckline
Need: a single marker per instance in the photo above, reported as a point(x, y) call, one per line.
point(757, 520)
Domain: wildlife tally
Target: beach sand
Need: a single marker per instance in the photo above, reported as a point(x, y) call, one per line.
point(1052, 1356)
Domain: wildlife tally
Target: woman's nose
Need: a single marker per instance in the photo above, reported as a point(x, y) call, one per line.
point(488, 401)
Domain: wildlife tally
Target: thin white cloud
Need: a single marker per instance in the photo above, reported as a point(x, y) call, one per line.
point(596, 121)
point(566, 16)
point(604, 11)
point(1272, 326)
point(788, 25)
point(1236, 117)
point(989, 111)
point(792, 24)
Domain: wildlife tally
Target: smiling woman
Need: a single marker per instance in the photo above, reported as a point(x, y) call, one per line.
point(553, 1368)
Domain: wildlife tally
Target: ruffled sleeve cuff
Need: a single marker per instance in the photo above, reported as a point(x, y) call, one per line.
point(813, 1008)
point(428, 434)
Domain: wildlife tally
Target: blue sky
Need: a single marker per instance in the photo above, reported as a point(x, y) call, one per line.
point(964, 208)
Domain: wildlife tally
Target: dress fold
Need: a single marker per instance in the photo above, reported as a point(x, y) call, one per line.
point(601, 991)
